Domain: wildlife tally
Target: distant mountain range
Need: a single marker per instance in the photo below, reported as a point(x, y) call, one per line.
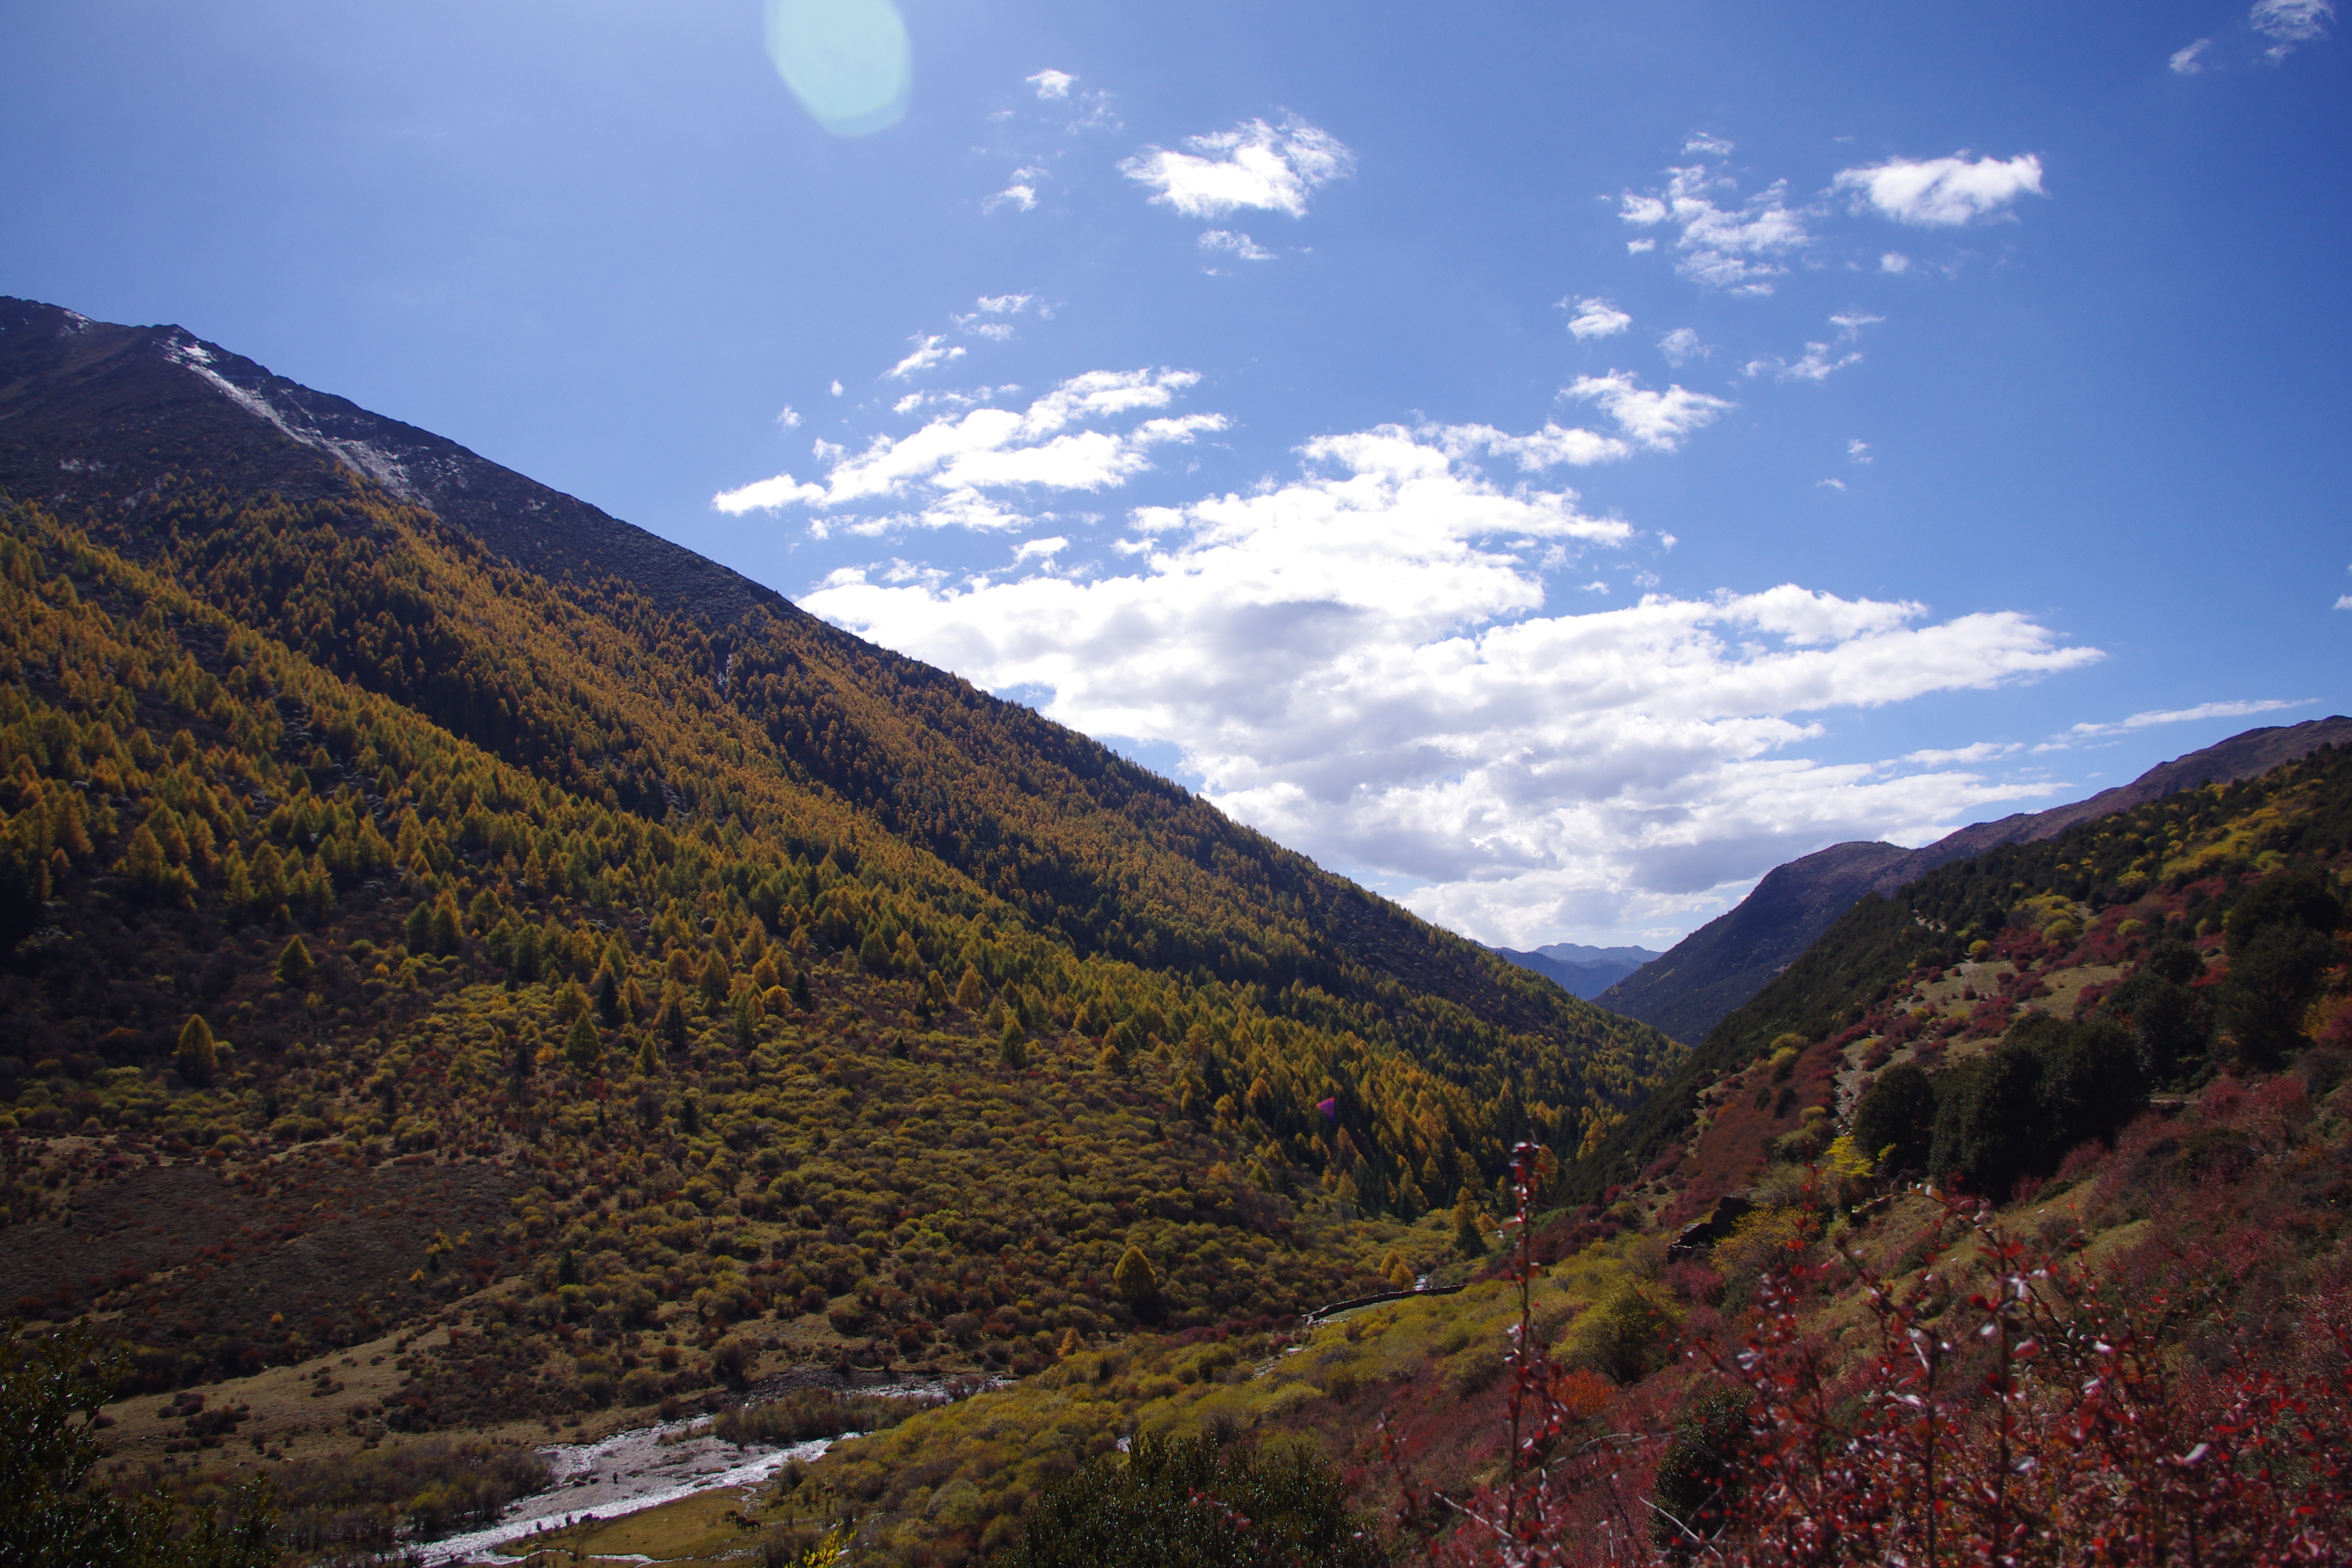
point(1580, 970)
point(1689, 990)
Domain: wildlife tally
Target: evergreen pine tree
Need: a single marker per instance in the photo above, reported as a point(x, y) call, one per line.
point(198, 1054)
point(294, 964)
point(1137, 1282)
point(583, 1047)
point(1468, 1239)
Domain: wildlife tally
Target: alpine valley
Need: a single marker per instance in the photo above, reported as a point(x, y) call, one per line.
point(478, 980)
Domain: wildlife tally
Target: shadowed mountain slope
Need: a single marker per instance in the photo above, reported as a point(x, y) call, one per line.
point(1732, 957)
point(2047, 926)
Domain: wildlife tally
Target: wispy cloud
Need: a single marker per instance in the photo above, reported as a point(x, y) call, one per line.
point(1739, 248)
point(934, 349)
point(1595, 318)
point(2289, 22)
point(946, 468)
point(1819, 361)
point(1943, 192)
point(1681, 345)
point(1021, 196)
point(2153, 718)
point(1658, 420)
point(1273, 167)
point(1052, 84)
point(1858, 452)
point(1232, 243)
point(1981, 752)
point(1552, 446)
point(990, 316)
point(2190, 60)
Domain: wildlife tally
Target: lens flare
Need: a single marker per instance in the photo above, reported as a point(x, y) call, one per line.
point(847, 60)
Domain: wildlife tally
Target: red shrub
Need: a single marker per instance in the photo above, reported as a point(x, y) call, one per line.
point(2041, 1419)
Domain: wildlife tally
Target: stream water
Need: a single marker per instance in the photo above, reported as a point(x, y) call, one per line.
point(637, 1470)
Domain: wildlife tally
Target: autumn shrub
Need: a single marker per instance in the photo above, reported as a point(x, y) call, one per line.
point(2041, 1413)
point(1197, 1503)
point(805, 1414)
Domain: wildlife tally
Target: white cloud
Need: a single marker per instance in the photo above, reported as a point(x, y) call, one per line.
point(1636, 246)
point(1020, 195)
point(1235, 243)
point(1364, 662)
point(1681, 345)
point(1658, 420)
point(1895, 262)
point(1858, 451)
point(1551, 447)
point(1943, 192)
point(790, 419)
point(1041, 548)
point(2290, 21)
point(1706, 146)
point(1595, 318)
point(945, 466)
point(2345, 603)
point(2187, 715)
point(1981, 752)
point(1051, 84)
point(1850, 323)
point(1817, 365)
point(988, 320)
point(929, 351)
point(2188, 62)
point(1828, 484)
point(766, 495)
point(1253, 165)
point(836, 389)
point(1734, 247)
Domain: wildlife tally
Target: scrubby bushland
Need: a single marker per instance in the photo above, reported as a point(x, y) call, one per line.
point(330, 845)
point(810, 1413)
point(2003, 1402)
point(1197, 1502)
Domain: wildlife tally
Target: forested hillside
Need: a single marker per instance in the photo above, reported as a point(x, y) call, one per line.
point(2134, 906)
point(2087, 1101)
point(590, 1006)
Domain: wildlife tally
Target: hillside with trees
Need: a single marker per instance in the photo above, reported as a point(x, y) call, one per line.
point(534, 1001)
point(450, 1007)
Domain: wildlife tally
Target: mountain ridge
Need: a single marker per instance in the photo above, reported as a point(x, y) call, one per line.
point(98, 392)
point(1707, 975)
point(1580, 970)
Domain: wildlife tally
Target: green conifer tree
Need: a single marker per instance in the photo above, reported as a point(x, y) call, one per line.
point(583, 1047)
point(1137, 1282)
point(294, 964)
point(1469, 1239)
point(198, 1054)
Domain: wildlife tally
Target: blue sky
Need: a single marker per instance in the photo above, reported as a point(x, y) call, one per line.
point(1551, 462)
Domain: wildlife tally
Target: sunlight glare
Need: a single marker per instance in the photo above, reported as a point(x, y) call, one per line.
point(847, 60)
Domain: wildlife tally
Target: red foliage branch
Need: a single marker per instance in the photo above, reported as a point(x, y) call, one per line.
point(2036, 1420)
